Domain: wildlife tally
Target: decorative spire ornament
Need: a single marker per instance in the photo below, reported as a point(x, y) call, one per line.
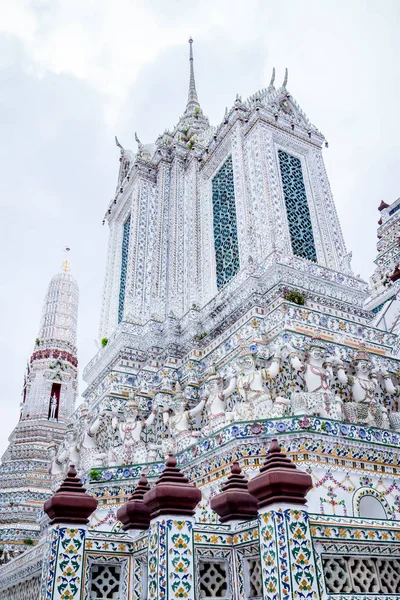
point(173, 493)
point(66, 266)
point(121, 148)
point(193, 101)
point(271, 83)
point(70, 503)
point(279, 480)
point(135, 514)
point(235, 503)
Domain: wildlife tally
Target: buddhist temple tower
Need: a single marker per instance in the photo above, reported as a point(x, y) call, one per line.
point(48, 401)
point(384, 300)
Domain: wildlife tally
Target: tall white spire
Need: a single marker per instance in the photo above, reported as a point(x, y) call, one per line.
point(60, 309)
point(193, 101)
point(48, 401)
point(193, 121)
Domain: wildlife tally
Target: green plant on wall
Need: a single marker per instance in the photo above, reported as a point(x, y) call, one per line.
point(28, 542)
point(295, 296)
point(104, 342)
point(94, 474)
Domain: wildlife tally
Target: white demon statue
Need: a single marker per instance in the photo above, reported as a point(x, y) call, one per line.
point(364, 407)
point(178, 423)
point(130, 431)
point(317, 373)
point(255, 401)
point(216, 401)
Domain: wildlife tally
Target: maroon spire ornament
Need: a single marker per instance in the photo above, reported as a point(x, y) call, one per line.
point(235, 502)
point(383, 205)
point(135, 514)
point(279, 480)
point(70, 503)
point(173, 494)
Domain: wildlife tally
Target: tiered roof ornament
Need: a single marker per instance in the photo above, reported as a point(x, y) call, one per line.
point(279, 480)
point(235, 503)
point(135, 514)
point(173, 493)
point(60, 308)
point(70, 503)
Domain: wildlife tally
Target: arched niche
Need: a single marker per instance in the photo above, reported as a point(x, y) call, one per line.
point(370, 504)
point(371, 508)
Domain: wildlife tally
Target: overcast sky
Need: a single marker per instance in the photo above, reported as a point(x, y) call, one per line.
point(76, 72)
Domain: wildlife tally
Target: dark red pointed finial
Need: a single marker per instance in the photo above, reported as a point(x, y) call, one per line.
point(70, 503)
point(235, 503)
point(279, 480)
point(382, 205)
point(173, 494)
point(135, 514)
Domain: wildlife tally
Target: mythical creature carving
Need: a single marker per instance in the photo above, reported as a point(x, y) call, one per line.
point(216, 401)
point(364, 383)
point(255, 402)
point(89, 450)
point(130, 431)
point(67, 454)
point(178, 422)
point(317, 372)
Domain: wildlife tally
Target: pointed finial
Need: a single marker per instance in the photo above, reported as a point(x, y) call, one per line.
point(279, 480)
point(286, 79)
point(193, 101)
point(70, 504)
point(234, 503)
point(65, 265)
point(135, 515)
point(271, 83)
point(173, 493)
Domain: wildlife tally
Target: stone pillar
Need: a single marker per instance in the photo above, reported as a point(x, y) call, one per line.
point(172, 502)
point(68, 510)
point(286, 550)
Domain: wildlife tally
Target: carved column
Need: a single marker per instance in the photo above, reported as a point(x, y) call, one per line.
point(172, 502)
point(68, 510)
point(286, 550)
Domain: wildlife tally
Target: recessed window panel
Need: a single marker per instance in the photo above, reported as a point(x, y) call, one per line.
point(225, 226)
point(298, 214)
point(124, 267)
